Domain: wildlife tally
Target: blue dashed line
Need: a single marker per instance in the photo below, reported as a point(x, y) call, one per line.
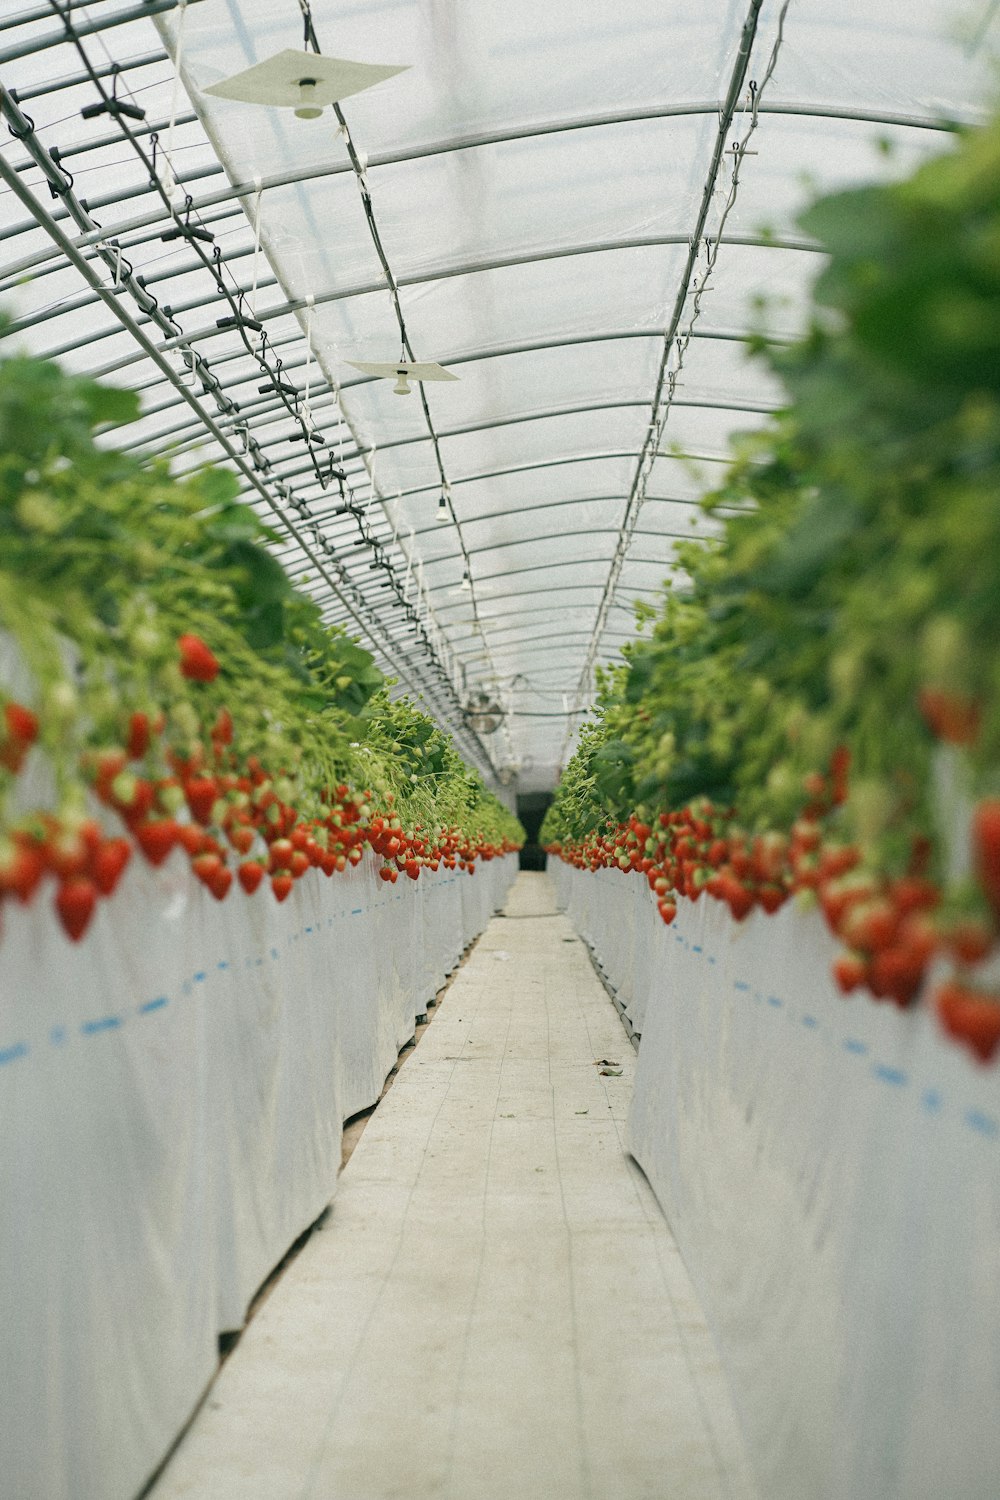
point(809, 1021)
point(891, 1075)
point(152, 1005)
point(11, 1054)
point(57, 1036)
point(308, 929)
point(741, 984)
point(223, 963)
point(357, 911)
point(983, 1124)
point(274, 954)
point(711, 958)
point(696, 948)
point(773, 1000)
point(106, 1023)
point(200, 977)
point(931, 1101)
point(853, 1045)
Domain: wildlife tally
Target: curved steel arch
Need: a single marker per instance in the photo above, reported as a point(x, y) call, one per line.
point(501, 351)
point(253, 414)
point(552, 536)
point(473, 267)
point(850, 114)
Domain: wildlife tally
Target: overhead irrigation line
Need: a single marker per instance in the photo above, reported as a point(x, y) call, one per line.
point(381, 547)
point(674, 345)
point(312, 40)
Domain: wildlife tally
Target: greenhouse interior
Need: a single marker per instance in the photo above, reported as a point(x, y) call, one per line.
point(500, 749)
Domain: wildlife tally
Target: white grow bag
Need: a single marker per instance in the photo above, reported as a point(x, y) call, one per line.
point(831, 1170)
point(171, 1098)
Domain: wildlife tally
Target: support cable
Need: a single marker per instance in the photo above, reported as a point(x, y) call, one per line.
point(667, 376)
point(312, 41)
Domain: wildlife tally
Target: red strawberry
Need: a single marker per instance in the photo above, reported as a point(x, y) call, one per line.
point(197, 661)
point(137, 740)
point(896, 974)
point(222, 729)
point(21, 868)
point(191, 838)
point(201, 792)
point(281, 884)
point(280, 855)
point(242, 838)
point(667, 910)
point(108, 863)
point(950, 716)
point(22, 724)
point(156, 838)
point(970, 1017)
point(207, 866)
point(871, 924)
point(772, 897)
point(299, 863)
point(250, 874)
point(969, 939)
point(986, 849)
point(850, 970)
point(66, 853)
point(220, 883)
point(75, 902)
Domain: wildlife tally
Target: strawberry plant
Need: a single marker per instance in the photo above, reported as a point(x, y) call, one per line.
point(174, 691)
point(781, 727)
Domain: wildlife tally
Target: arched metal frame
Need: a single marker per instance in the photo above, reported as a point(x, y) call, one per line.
point(280, 467)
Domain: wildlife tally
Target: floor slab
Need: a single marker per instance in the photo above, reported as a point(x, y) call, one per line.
point(495, 1307)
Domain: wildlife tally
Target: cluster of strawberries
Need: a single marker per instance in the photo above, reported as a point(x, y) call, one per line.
point(233, 823)
point(893, 928)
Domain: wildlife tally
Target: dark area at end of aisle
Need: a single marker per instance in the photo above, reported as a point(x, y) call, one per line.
point(531, 809)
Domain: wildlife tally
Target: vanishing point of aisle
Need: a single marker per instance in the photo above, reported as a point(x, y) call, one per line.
point(495, 1308)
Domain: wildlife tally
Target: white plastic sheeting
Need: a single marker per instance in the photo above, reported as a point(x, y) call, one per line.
point(831, 1171)
point(171, 1100)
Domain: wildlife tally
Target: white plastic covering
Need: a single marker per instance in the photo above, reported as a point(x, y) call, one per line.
point(831, 1171)
point(171, 1094)
point(536, 177)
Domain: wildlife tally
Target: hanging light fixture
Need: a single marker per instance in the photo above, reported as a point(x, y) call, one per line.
point(305, 82)
point(402, 371)
point(466, 584)
point(443, 510)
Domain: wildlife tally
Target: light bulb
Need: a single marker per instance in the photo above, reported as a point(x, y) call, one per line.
point(466, 580)
point(308, 109)
point(402, 386)
point(442, 510)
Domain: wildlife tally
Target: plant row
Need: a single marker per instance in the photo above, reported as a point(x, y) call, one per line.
point(815, 712)
point(166, 687)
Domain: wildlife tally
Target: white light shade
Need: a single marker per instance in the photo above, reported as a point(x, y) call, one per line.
point(304, 81)
point(411, 369)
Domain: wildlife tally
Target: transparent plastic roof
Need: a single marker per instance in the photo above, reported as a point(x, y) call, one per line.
point(579, 210)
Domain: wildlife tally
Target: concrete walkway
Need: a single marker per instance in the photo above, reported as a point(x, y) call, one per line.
point(495, 1309)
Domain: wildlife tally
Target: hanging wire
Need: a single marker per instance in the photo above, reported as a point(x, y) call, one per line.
point(311, 41)
point(675, 344)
